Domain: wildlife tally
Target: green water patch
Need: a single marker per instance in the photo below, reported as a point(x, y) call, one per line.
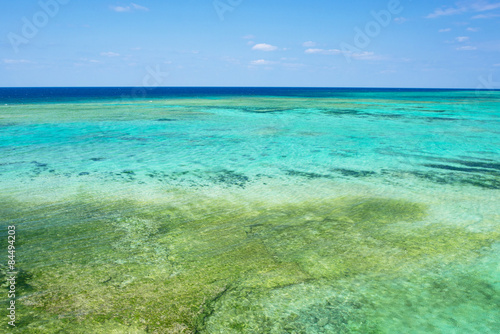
point(430, 301)
point(198, 264)
point(53, 113)
point(443, 300)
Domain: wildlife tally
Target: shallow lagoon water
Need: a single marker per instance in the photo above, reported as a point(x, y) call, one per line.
point(268, 211)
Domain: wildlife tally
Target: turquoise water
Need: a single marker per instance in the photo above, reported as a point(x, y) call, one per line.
point(253, 210)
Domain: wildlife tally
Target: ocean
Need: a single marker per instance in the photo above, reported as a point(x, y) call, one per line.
point(250, 210)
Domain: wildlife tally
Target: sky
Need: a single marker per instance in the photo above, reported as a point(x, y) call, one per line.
point(313, 43)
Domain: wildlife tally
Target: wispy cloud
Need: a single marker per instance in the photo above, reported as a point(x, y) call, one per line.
point(120, 9)
point(485, 16)
point(110, 54)
point(89, 60)
point(16, 61)
point(139, 7)
point(86, 62)
point(250, 36)
point(471, 29)
point(262, 62)
point(323, 51)
point(482, 6)
point(466, 48)
point(446, 12)
point(129, 8)
point(445, 30)
point(462, 39)
point(400, 20)
point(464, 7)
point(309, 44)
point(264, 47)
point(284, 63)
point(366, 56)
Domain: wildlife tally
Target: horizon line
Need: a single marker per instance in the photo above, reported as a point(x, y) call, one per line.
point(286, 87)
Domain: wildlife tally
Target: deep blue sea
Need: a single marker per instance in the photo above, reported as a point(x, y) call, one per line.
point(251, 210)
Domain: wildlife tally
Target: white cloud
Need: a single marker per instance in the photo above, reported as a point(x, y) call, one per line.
point(268, 63)
point(264, 47)
point(86, 62)
point(261, 62)
point(309, 44)
point(464, 7)
point(462, 39)
point(16, 61)
point(129, 8)
point(110, 54)
point(250, 36)
point(250, 43)
point(120, 9)
point(361, 56)
point(473, 29)
point(387, 71)
point(366, 56)
point(466, 48)
point(323, 51)
point(485, 16)
point(445, 12)
point(482, 6)
point(400, 20)
point(497, 65)
point(139, 7)
point(444, 30)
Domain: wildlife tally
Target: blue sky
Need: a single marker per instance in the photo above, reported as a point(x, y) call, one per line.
point(324, 43)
